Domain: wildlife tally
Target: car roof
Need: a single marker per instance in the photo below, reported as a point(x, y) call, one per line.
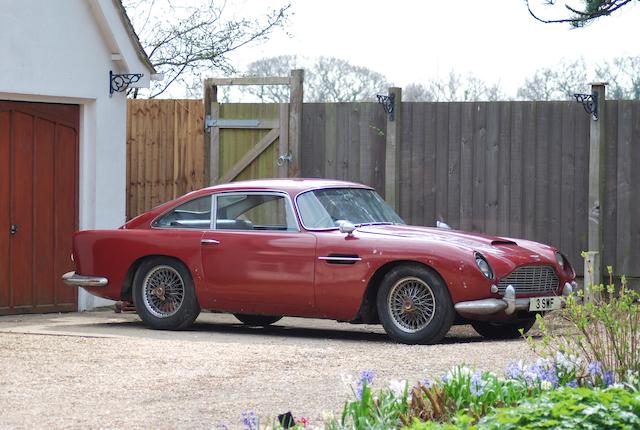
point(291, 186)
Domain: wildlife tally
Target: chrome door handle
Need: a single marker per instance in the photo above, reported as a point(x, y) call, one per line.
point(13, 229)
point(206, 242)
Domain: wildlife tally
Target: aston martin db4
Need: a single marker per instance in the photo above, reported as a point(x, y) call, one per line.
point(315, 248)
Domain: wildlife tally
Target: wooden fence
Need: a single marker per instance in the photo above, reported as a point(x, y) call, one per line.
point(165, 151)
point(517, 169)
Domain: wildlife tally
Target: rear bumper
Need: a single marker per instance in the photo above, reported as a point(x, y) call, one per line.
point(75, 280)
point(509, 303)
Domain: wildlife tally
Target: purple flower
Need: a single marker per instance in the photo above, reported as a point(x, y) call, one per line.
point(427, 383)
point(366, 379)
point(595, 369)
point(572, 384)
point(541, 372)
point(250, 421)
point(608, 379)
point(514, 370)
point(477, 385)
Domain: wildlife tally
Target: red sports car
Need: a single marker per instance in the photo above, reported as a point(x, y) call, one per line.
point(320, 249)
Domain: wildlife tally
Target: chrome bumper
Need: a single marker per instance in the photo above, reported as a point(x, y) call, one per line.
point(509, 303)
point(75, 280)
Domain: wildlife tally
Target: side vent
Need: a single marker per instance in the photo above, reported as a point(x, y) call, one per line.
point(340, 258)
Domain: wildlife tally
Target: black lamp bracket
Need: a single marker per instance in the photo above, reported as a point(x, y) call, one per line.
point(389, 104)
point(120, 82)
point(589, 103)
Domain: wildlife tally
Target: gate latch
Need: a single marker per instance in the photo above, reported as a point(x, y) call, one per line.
point(284, 157)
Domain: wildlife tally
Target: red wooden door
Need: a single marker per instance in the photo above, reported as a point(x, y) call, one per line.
point(39, 209)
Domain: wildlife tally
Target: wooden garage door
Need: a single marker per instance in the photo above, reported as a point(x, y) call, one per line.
point(38, 205)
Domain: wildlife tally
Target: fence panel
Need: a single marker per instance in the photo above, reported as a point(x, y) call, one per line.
point(514, 169)
point(165, 151)
point(344, 141)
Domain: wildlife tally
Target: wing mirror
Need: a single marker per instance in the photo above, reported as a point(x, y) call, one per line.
point(442, 224)
point(347, 228)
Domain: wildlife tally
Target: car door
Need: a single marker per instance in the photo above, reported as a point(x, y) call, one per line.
point(256, 258)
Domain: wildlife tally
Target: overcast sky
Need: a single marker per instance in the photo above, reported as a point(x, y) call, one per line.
point(415, 40)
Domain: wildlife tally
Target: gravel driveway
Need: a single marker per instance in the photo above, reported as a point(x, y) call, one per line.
point(105, 370)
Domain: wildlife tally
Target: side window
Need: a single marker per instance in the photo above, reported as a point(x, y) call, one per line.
point(254, 212)
point(194, 214)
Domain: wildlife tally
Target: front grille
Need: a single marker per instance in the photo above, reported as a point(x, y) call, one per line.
point(531, 280)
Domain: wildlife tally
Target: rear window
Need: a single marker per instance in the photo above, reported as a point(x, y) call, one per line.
point(194, 214)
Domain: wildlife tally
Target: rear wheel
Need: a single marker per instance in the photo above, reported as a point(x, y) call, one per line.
point(414, 305)
point(257, 320)
point(503, 331)
point(164, 294)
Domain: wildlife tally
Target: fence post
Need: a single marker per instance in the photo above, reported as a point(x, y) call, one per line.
point(392, 150)
point(211, 134)
point(597, 180)
point(295, 121)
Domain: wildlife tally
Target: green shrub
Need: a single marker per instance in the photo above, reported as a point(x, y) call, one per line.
point(603, 334)
point(379, 410)
point(569, 408)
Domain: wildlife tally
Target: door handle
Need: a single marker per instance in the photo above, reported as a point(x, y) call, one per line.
point(206, 242)
point(13, 229)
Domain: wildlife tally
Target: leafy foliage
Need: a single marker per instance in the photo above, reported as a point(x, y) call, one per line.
point(569, 408)
point(590, 11)
point(603, 333)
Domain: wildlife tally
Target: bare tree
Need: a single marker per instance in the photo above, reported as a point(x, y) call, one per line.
point(454, 87)
point(273, 66)
point(623, 76)
point(184, 41)
point(417, 93)
point(327, 79)
point(580, 16)
point(560, 83)
point(336, 80)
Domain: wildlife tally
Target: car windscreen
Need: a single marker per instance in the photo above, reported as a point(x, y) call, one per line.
point(327, 208)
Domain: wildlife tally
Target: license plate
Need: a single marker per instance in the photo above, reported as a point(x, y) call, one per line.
point(544, 303)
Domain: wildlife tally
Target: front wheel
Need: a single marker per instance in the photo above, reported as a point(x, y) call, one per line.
point(164, 294)
point(257, 320)
point(414, 305)
point(503, 331)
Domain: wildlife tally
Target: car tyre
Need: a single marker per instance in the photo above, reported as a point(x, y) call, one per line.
point(164, 294)
point(414, 305)
point(503, 331)
point(257, 320)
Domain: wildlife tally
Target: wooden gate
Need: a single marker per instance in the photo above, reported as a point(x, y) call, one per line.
point(253, 140)
point(39, 205)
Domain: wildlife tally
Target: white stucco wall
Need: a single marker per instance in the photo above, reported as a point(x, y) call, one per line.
point(61, 52)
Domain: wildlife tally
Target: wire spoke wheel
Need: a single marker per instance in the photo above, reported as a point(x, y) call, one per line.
point(163, 291)
point(411, 304)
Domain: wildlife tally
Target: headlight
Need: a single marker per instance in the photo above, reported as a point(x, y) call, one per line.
point(484, 267)
point(560, 259)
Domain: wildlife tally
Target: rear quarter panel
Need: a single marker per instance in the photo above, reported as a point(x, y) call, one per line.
point(110, 253)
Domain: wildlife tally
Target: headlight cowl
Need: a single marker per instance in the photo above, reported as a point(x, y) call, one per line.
point(483, 266)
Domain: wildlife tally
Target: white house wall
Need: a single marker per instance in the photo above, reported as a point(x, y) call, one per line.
point(54, 51)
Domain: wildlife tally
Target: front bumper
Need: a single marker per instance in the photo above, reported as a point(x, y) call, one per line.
point(75, 280)
point(509, 303)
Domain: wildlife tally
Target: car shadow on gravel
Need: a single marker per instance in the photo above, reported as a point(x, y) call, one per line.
point(138, 329)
